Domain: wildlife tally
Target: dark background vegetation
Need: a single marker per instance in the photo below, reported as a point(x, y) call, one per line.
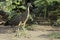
point(40, 10)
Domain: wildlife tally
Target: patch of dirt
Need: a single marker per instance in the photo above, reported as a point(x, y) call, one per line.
point(39, 33)
point(45, 28)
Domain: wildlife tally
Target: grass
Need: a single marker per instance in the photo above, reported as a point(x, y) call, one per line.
point(54, 35)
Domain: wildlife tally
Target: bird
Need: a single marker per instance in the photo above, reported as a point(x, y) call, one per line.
point(20, 19)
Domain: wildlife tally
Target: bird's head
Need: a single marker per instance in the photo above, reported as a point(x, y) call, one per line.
point(29, 5)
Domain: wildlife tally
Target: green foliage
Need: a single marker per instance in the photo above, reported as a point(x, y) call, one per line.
point(5, 5)
point(8, 6)
point(58, 20)
point(42, 7)
point(40, 3)
point(50, 6)
point(54, 35)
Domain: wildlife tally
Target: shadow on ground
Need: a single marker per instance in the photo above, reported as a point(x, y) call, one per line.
point(5, 29)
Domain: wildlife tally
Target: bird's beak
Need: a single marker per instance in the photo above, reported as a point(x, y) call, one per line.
point(31, 6)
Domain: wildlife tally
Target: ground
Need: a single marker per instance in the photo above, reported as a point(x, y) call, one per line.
point(39, 33)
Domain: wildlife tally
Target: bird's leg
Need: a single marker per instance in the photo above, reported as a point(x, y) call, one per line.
point(22, 32)
point(14, 29)
point(25, 31)
point(18, 30)
point(17, 33)
point(23, 27)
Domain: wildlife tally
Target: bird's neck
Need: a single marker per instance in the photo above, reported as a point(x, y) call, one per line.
point(28, 11)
